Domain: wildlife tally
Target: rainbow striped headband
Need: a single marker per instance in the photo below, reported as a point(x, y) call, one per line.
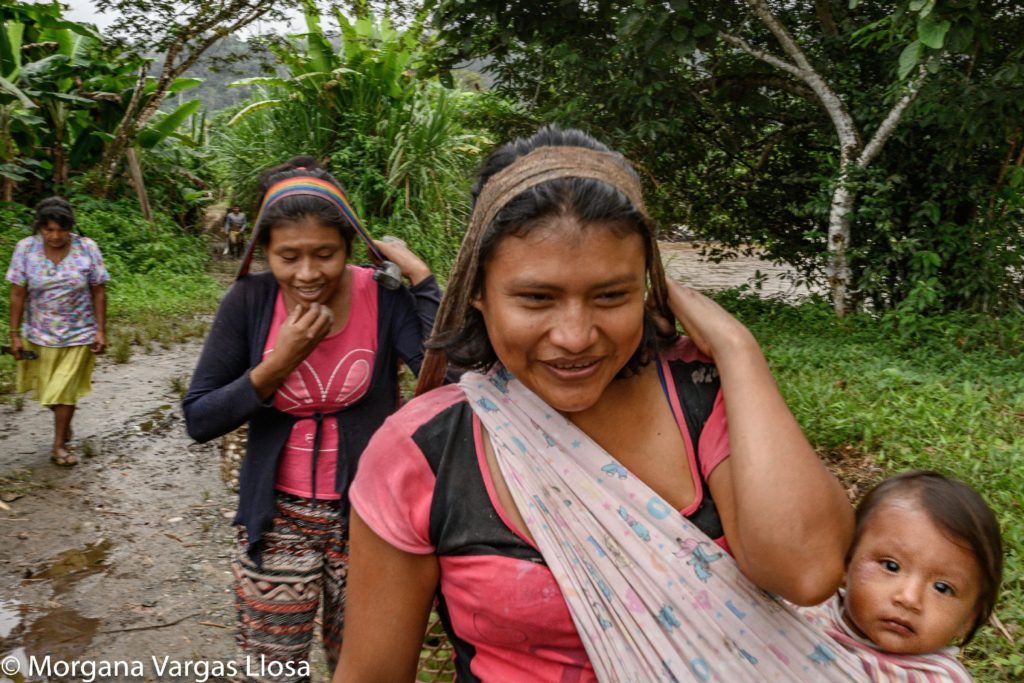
point(314, 187)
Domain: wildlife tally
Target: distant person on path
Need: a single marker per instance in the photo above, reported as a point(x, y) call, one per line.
point(59, 314)
point(235, 225)
point(307, 354)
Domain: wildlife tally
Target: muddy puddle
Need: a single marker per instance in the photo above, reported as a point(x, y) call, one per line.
point(126, 556)
point(73, 565)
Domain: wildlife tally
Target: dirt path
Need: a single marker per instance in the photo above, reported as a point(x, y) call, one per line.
point(123, 557)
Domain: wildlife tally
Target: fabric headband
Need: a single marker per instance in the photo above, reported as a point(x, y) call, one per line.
point(528, 171)
point(313, 187)
point(552, 163)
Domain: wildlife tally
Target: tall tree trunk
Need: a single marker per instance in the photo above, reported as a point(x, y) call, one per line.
point(134, 120)
point(9, 154)
point(853, 154)
point(839, 274)
point(123, 134)
point(60, 157)
point(135, 171)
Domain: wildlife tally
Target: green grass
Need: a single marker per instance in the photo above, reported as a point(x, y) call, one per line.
point(164, 310)
point(949, 397)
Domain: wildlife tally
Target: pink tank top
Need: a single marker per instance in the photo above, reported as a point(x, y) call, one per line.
point(335, 375)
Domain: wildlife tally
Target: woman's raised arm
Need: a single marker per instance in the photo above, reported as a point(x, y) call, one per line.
point(390, 593)
point(787, 519)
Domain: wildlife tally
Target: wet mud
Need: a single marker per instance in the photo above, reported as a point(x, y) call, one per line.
point(124, 557)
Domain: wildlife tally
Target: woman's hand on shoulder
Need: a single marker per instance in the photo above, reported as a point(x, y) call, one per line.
point(411, 265)
point(714, 330)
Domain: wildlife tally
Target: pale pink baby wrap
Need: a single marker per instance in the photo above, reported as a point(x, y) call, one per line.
point(654, 599)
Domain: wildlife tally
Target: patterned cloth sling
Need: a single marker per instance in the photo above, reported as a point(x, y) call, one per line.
point(653, 598)
point(933, 667)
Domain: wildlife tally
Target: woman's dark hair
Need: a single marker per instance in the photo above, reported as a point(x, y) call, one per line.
point(590, 201)
point(957, 510)
point(297, 207)
point(56, 210)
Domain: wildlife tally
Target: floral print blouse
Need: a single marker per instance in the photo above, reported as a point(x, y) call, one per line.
point(59, 308)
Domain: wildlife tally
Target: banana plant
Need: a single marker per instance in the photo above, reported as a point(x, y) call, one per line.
point(63, 89)
point(395, 139)
point(370, 73)
point(42, 61)
point(17, 122)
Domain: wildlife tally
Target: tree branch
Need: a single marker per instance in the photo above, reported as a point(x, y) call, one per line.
point(892, 119)
point(171, 71)
point(768, 57)
point(133, 105)
point(846, 129)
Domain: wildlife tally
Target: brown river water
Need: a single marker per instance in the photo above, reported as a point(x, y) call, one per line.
point(684, 263)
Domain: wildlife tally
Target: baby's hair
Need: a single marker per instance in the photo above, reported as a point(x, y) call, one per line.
point(960, 512)
point(297, 207)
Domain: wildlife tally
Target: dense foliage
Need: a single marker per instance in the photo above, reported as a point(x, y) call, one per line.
point(402, 145)
point(741, 152)
point(182, 31)
point(65, 91)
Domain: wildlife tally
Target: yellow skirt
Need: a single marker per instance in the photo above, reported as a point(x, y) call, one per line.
point(60, 376)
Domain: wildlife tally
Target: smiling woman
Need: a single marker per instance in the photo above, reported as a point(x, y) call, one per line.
point(308, 260)
point(307, 353)
point(571, 503)
point(565, 333)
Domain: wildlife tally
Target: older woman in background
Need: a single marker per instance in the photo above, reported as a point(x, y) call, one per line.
point(58, 316)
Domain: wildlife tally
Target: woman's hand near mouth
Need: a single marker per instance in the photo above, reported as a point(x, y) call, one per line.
point(298, 335)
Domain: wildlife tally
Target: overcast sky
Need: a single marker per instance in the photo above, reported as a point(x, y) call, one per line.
point(85, 11)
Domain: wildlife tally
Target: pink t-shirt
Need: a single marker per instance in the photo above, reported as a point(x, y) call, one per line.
point(424, 486)
point(336, 374)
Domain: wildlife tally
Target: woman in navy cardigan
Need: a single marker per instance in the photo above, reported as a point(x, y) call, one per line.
point(307, 354)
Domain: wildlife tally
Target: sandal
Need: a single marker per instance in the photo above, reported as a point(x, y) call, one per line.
point(66, 460)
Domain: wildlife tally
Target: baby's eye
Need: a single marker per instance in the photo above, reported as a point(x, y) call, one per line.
point(890, 565)
point(944, 588)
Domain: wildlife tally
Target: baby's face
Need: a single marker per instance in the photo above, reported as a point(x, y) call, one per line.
point(909, 588)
